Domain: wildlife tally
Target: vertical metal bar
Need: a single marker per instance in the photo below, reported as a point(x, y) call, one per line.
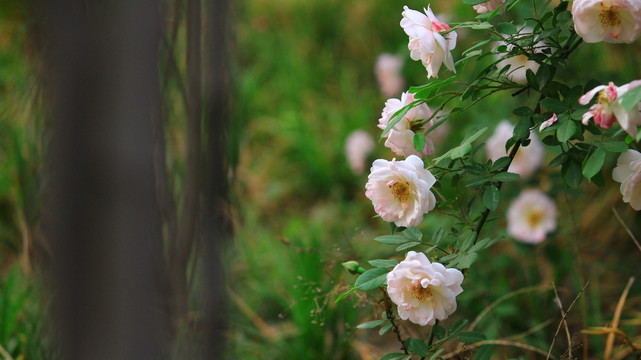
point(100, 214)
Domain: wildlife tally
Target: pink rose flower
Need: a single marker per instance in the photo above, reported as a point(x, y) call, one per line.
point(400, 190)
point(613, 21)
point(400, 139)
point(608, 107)
point(628, 173)
point(358, 145)
point(427, 41)
point(388, 74)
point(424, 291)
point(531, 216)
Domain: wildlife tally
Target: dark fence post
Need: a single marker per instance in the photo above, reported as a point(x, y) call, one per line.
point(101, 215)
point(216, 224)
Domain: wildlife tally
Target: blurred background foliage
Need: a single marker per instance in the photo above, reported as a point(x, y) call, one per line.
point(302, 80)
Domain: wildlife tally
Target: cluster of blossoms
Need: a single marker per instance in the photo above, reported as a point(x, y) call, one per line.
point(401, 190)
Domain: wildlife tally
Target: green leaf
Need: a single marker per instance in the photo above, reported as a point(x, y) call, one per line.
point(506, 28)
point(371, 324)
point(407, 246)
point(475, 46)
point(522, 129)
point(439, 331)
point(531, 79)
point(457, 327)
point(392, 239)
point(477, 181)
point(371, 279)
point(484, 352)
point(460, 151)
point(615, 146)
point(501, 163)
point(481, 26)
point(631, 98)
point(464, 261)
point(492, 197)
point(380, 263)
point(554, 105)
point(470, 337)
point(484, 243)
point(439, 351)
point(419, 142)
point(396, 356)
point(418, 347)
point(558, 160)
point(473, 2)
point(474, 136)
point(506, 176)
point(595, 163)
point(544, 74)
point(438, 235)
point(571, 172)
point(566, 130)
point(385, 329)
point(341, 296)
point(413, 233)
point(522, 111)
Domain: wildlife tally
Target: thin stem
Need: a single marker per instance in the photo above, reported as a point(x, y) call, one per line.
point(430, 339)
point(390, 316)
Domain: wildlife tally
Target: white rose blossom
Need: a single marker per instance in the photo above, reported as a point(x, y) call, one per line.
point(488, 6)
point(400, 190)
point(531, 216)
point(613, 21)
point(358, 145)
point(608, 107)
point(427, 43)
point(400, 139)
point(388, 74)
point(628, 173)
point(527, 158)
point(424, 291)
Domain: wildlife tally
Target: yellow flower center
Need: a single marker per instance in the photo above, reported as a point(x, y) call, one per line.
point(609, 17)
point(400, 190)
point(535, 217)
point(420, 293)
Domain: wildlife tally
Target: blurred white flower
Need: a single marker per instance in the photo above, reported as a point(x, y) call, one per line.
point(549, 122)
point(358, 145)
point(400, 190)
point(400, 139)
point(608, 107)
point(424, 291)
point(613, 21)
point(388, 74)
point(427, 43)
point(527, 158)
point(628, 173)
point(531, 216)
point(488, 6)
point(519, 66)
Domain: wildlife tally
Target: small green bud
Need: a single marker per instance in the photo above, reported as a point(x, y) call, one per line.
point(353, 267)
